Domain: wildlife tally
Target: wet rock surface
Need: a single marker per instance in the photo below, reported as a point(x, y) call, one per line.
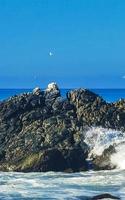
point(103, 162)
point(105, 196)
point(42, 131)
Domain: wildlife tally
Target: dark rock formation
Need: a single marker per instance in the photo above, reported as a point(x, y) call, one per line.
point(103, 162)
point(104, 196)
point(41, 131)
point(94, 111)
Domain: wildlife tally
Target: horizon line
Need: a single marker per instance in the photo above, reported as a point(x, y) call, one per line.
point(102, 88)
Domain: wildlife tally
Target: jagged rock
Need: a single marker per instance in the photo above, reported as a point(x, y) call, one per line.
point(37, 127)
point(51, 94)
point(52, 87)
point(48, 160)
point(76, 158)
point(103, 161)
point(36, 91)
point(94, 111)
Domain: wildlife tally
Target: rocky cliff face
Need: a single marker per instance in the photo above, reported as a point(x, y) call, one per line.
point(41, 131)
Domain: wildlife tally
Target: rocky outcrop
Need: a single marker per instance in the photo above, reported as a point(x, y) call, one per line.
point(42, 131)
point(94, 111)
point(104, 196)
point(103, 162)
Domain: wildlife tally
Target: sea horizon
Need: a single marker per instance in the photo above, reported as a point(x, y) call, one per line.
point(109, 95)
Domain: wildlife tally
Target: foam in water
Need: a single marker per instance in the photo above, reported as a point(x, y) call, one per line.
point(100, 139)
point(118, 158)
point(61, 186)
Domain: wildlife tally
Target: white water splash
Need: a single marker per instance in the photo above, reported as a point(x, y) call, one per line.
point(118, 158)
point(100, 139)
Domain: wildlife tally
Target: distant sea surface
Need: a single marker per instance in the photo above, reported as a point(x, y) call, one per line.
point(109, 95)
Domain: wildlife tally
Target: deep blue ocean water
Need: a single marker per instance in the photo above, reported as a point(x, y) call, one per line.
point(109, 95)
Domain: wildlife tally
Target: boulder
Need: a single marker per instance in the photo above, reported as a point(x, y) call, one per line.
point(52, 87)
point(48, 160)
point(36, 91)
point(103, 162)
point(38, 127)
point(104, 196)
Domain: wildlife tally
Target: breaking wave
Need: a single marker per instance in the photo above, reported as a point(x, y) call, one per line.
point(100, 139)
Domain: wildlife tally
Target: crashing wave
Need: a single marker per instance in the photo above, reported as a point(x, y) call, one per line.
point(99, 139)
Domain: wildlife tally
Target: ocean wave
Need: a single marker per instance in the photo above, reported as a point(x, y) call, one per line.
point(99, 139)
point(61, 185)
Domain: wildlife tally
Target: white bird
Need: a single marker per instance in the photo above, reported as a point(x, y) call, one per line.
point(50, 53)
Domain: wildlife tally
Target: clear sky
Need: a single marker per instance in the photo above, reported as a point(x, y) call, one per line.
point(77, 43)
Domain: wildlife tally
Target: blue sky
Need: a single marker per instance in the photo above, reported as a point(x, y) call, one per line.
point(86, 38)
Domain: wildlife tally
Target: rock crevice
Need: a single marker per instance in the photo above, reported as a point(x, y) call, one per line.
point(41, 131)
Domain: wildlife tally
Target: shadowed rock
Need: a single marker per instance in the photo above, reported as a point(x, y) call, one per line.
point(41, 131)
point(104, 196)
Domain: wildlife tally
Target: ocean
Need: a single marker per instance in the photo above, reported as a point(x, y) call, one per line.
point(61, 186)
point(109, 95)
point(69, 186)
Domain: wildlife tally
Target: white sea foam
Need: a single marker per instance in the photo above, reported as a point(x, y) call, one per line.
point(61, 186)
point(100, 139)
point(72, 186)
point(118, 158)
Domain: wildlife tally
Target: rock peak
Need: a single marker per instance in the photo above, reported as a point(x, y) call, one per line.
point(36, 91)
point(52, 87)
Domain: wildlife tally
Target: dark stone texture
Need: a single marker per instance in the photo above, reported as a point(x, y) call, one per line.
point(41, 131)
point(104, 196)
